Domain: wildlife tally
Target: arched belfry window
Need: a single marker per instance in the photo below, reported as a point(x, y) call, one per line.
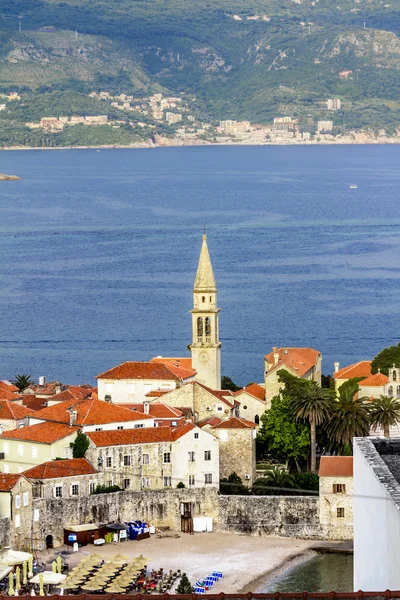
point(203, 298)
point(390, 391)
point(200, 329)
point(394, 375)
point(257, 420)
point(208, 326)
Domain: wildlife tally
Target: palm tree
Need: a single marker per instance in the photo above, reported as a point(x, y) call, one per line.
point(349, 418)
point(274, 478)
point(22, 381)
point(313, 404)
point(384, 412)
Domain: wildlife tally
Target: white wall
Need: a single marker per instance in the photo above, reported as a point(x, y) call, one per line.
point(109, 426)
point(131, 390)
point(182, 468)
point(376, 528)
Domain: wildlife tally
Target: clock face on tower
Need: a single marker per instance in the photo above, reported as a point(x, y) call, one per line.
point(203, 356)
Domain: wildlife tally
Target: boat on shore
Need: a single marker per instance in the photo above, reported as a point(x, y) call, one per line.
point(353, 186)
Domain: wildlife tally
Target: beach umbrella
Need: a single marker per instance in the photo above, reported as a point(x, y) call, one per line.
point(30, 566)
point(11, 584)
point(54, 566)
point(17, 579)
point(25, 573)
point(41, 590)
point(59, 564)
point(92, 587)
point(121, 557)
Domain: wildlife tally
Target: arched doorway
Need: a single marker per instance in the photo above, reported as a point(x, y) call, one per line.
point(49, 541)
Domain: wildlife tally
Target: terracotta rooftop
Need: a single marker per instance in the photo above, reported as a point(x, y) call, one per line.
point(298, 360)
point(61, 468)
point(376, 380)
point(147, 435)
point(156, 393)
point(212, 421)
point(14, 411)
point(358, 369)
point(254, 389)
point(89, 412)
point(33, 402)
point(8, 481)
point(235, 423)
point(336, 466)
point(7, 385)
point(42, 433)
point(184, 362)
point(157, 410)
point(8, 394)
point(147, 370)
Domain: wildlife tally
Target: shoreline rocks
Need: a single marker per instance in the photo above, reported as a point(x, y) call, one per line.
point(4, 177)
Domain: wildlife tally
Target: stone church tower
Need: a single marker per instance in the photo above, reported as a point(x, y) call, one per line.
point(206, 347)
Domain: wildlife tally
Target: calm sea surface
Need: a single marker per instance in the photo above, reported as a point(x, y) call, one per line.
point(98, 252)
point(323, 573)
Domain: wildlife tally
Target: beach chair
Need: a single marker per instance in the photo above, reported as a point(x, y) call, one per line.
point(217, 574)
point(199, 590)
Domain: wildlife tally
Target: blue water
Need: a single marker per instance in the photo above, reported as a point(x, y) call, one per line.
point(323, 573)
point(98, 252)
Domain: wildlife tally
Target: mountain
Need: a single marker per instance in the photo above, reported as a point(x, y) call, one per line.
point(242, 60)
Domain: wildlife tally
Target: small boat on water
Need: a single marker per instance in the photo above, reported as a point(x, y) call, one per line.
point(353, 186)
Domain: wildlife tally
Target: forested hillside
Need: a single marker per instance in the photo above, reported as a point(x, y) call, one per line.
point(244, 60)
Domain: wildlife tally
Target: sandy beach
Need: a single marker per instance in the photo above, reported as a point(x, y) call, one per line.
point(245, 561)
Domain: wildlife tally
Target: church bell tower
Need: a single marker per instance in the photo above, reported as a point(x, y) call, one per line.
point(206, 347)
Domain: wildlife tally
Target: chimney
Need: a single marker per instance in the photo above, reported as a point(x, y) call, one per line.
point(57, 387)
point(379, 369)
point(42, 380)
point(274, 348)
point(276, 357)
point(336, 365)
point(146, 407)
point(72, 416)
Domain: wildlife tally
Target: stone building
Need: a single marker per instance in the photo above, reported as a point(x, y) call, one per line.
point(336, 497)
point(63, 478)
point(131, 381)
point(252, 402)
point(16, 505)
point(358, 369)
point(205, 346)
point(237, 448)
point(158, 458)
point(300, 362)
point(203, 401)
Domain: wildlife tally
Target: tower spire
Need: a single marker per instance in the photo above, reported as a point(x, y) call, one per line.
point(205, 280)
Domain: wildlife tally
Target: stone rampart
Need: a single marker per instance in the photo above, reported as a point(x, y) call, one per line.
point(285, 516)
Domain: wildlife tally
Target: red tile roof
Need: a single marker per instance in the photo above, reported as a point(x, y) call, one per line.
point(147, 435)
point(42, 433)
point(235, 423)
point(33, 402)
point(185, 361)
point(8, 481)
point(336, 466)
point(378, 380)
point(14, 411)
point(145, 370)
point(156, 393)
point(7, 385)
point(212, 421)
point(254, 389)
point(89, 412)
point(61, 468)
point(358, 369)
point(158, 410)
point(298, 360)
point(7, 394)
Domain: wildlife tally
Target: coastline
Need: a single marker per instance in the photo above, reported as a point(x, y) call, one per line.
point(255, 586)
point(178, 143)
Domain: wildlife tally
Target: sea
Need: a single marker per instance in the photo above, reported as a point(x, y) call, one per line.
point(98, 253)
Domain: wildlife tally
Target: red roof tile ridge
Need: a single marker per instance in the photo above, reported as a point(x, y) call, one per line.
point(61, 468)
point(336, 466)
point(344, 370)
point(235, 423)
point(8, 481)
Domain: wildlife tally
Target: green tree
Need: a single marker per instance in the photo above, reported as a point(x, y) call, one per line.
point(22, 381)
point(349, 417)
point(228, 384)
point(80, 445)
point(384, 412)
point(181, 485)
point(233, 485)
point(274, 480)
point(314, 405)
point(386, 359)
point(184, 587)
point(280, 435)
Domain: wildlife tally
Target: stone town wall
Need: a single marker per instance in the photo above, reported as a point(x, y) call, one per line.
point(285, 516)
point(161, 508)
